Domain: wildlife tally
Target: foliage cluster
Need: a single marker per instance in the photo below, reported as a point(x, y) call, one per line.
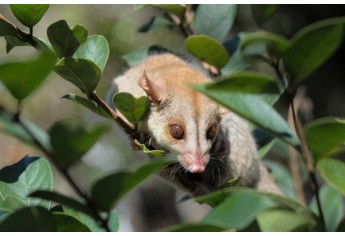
point(26, 193)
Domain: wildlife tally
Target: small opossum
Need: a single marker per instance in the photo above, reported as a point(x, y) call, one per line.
point(212, 145)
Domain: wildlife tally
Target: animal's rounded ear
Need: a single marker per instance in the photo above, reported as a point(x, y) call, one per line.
point(152, 89)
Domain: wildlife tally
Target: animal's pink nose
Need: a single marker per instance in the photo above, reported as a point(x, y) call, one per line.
point(196, 168)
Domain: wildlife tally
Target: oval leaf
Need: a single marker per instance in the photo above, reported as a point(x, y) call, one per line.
point(288, 221)
point(214, 20)
point(64, 40)
point(6, 28)
point(262, 12)
point(333, 171)
point(21, 78)
point(155, 22)
point(118, 184)
point(175, 9)
point(66, 223)
point(63, 200)
point(29, 219)
point(29, 14)
point(27, 175)
point(95, 49)
point(325, 136)
point(253, 108)
point(71, 140)
point(10, 204)
point(82, 73)
point(276, 42)
point(91, 105)
point(134, 109)
point(207, 49)
point(312, 46)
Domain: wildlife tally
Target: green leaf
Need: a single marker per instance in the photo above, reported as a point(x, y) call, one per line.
point(7, 28)
point(29, 219)
point(113, 222)
point(195, 227)
point(276, 42)
point(245, 81)
point(66, 223)
point(332, 207)
point(280, 220)
point(312, 46)
point(148, 151)
point(91, 105)
point(10, 204)
point(118, 184)
point(63, 200)
point(282, 177)
point(27, 175)
point(155, 22)
point(207, 49)
point(64, 40)
point(262, 12)
point(138, 6)
point(134, 109)
point(82, 73)
point(253, 108)
point(238, 210)
point(214, 20)
point(333, 171)
point(29, 14)
point(135, 57)
point(95, 49)
point(266, 148)
point(71, 140)
point(21, 78)
point(12, 42)
point(175, 9)
point(325, 136)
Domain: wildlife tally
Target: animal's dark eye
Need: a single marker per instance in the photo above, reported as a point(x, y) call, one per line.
point(211, 132)
point(176, 131)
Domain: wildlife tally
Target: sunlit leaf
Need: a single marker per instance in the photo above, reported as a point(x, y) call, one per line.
point(333, 171)
point(312, 46)
point(27, 175)
point(214, 20)
point(65, 40)
point(10, 204)
point(207, 49)
point(95, 49)
point(82, 73)
point(21, 78)
point(134, 109)
point(325, 136)
point(148, 151)
point(280, 220)
point(29, 14)
point(71, 140)
point(118, 184)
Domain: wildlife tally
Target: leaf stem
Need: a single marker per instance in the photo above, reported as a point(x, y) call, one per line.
point(307, 160)
point(64, 172)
